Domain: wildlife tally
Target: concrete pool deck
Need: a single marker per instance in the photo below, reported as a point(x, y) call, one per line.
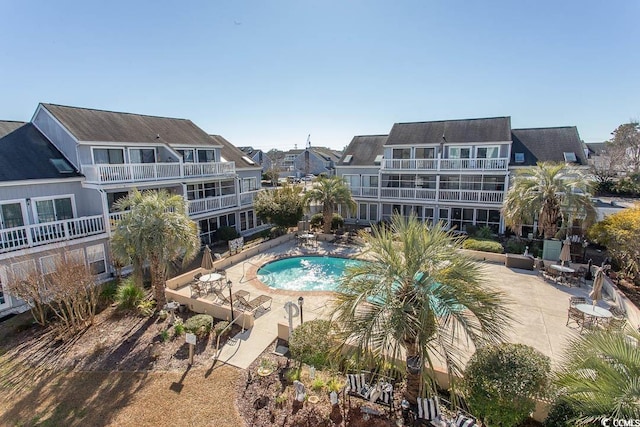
point(539, 308)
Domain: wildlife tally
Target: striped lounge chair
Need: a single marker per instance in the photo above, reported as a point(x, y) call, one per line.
point(379, 392)
point(428, 409)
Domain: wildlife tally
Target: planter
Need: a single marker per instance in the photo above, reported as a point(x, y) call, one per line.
point(264, 372)
point(313, 399)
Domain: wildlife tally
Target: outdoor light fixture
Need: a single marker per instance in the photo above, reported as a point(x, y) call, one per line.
point(229, 285)
point(300, 302)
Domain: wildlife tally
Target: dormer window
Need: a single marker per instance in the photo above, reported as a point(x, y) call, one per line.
point(519, 157)
point(570, 157)
point(347, 159)
point(378, 159)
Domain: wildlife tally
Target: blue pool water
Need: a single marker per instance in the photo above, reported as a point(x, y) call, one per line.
point(305, 273)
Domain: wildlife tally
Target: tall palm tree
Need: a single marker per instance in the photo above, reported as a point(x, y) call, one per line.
point(157, 230)
point(600, 376)
point(552, 191)
point(330, 192)
point(417, 298)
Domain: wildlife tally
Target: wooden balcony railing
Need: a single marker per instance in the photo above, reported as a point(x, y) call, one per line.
point(140, 172)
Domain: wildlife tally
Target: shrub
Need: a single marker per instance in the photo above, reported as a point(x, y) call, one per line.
point(145, 307)
point(514, 246)
point(311, 343)
point(164, 335)
point(318, 384)
point(560, 414)
point(128, 295)
point(200, 324)
point(316, 220)
point(337, 221)
point(108, 291)
point(178, 328)
point(484, 233)
point(277, 232)
point(219, 327)
point(502, 382)
point(335, 384)
point(292, 374)
point(483, 245)
point(227, 233)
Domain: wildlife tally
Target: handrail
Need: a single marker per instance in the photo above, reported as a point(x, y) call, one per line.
point(215, 356)
point(243, 269)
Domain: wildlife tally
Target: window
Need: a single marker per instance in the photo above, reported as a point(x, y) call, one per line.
point(49, 264)
point(96, 259)
point(142, 155)
point(109, 156)
point(426, 181)
point(353, 181)
point(370, 181)
point(206, 156)
point(187, 156)
point(492, 152)
point(425, 153)
point(401, 153)
point(378, 159)
point(519, 157)
point(11, 215)
point(570, 157)
point(75, 257)
point(227, 187)
point(3, 299)
point(61, 165)
point(54, 209)
point(112, 198)
point(243, 221)
point(363, 211)
point(24, 269)
point(347, 158)
point(459, 153)
point(248, 160)
point(373, 212)
point(248, 184)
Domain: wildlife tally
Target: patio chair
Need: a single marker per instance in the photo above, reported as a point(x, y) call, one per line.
point(577, 300)
point(617, 312)
point(552, 275)
point(578, 276)
point(575, 315)
point(256, 303)
point(616, 324)
point(217, 292)
point(196, 289)
point(379, 392)
point(428, 410)
point(465, 421)
point(197, 276)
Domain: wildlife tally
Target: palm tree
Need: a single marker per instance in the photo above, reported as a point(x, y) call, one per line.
point(417, 298)
point(553, 191)
point(156, 230)
point(600, 376)
point(330, 192)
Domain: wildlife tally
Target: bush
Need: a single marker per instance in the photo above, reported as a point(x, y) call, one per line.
point(178, 328)
point(108, 291)
point(560, 415)
point(317, 220)
point(200, 324)
point(227, 233)
point(484, 233)
point(220, 326)
point(146, 307)
point(277, 232)
point(311, 343)
point(337, 221)
point(514, 246)
point(502, 382)
point(129, 295)
point(483, 245)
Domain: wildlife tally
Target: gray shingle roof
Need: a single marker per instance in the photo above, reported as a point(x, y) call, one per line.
point(546, 145)
point(232, 154)
point(6, 127)
point(595, 147)
point(463, 131)
point(363, 150)
point(26, 154)
point(108, 126)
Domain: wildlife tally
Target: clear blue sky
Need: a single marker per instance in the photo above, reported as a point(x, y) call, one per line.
point(267, 73)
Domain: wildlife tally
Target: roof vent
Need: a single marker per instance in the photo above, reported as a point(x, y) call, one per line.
point(347, 158)
point(570, 157)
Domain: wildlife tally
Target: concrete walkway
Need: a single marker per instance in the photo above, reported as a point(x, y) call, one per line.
point(539, 308)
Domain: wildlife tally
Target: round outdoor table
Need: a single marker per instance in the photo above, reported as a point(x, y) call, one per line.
point(595, 311)
point(211, 277)
point(563, 269)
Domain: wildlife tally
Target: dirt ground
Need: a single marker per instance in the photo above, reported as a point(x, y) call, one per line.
point(117, 372)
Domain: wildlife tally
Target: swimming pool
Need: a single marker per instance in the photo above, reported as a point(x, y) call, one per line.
point(305, 273)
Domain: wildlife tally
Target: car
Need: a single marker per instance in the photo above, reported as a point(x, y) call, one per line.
point(309, 177)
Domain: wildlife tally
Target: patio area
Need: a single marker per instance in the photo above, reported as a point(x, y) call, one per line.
point(539, 308)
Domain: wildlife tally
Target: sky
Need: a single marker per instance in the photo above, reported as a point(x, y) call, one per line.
point(268, 73)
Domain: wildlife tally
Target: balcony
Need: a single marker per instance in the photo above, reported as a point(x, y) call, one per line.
point(364, 192)
point(472, 196)
point(141, 172)
point(209, 204)
point(408, 193)
point(13, 239)
point(500, 164)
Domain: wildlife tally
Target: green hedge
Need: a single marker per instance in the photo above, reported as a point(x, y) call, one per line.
point(483, 245)
point(200, 324)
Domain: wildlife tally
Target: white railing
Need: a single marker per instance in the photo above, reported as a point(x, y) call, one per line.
point(364, 191)
point(408, 193)
point(135, 172)
point(209, 204)
point(13, 239)
point(472, 196)
point(248, 197)
point(429, 164)
point(446, 164)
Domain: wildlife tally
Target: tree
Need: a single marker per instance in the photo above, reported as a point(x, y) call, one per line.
point(68, 291)
point(599, 376)
point(330, 192)
point(417, 297)
point(283, 207)
point(626, 143)
point(554, 192)
point(273, 174)
point(619, 233)
point(157, 230)
point(503, 382)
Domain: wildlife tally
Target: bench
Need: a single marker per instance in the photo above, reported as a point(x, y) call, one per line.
point(375, 389)
point(519, 261)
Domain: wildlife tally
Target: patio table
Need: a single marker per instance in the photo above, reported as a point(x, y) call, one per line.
point(563, 270)
point(594, 311)
point(211, 277)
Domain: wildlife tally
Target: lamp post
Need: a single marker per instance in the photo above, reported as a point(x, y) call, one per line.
point(300, 302)
point(229, 285)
